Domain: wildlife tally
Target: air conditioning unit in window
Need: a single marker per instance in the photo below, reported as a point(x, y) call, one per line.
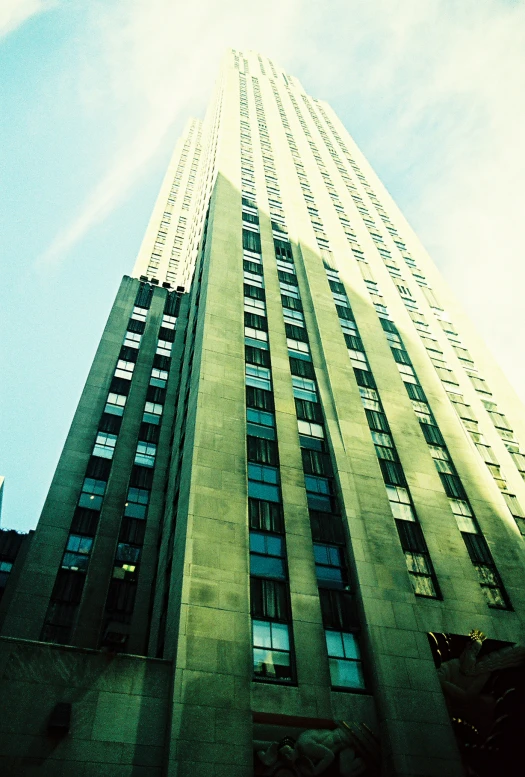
point(116, 636)
point(180, 288)
point(143, 277)
point(155, 281)
point(166, 285)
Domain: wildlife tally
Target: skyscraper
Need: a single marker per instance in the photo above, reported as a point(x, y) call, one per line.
point(293, 481)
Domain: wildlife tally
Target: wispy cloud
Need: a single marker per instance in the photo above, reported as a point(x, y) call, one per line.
point(156, 63)
point(14, 13)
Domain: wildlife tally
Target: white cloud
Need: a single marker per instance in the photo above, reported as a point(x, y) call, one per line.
point(14, 13)
point(156, 63)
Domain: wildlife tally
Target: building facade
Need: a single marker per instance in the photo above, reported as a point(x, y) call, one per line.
point(290, 500)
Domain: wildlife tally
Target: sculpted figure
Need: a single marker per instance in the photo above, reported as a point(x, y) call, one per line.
point(316, 749)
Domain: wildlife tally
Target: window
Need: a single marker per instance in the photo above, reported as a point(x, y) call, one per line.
point(417, 559)
point(158, 378)
point(407, 373)
point(271, 650)
point(145, 455)
point(169, 322)
point(293, 317)
point(298, 349)
point(115, 404)
point(164, 348)
point(260, 423)
point(124, 369)
point(289, 291)
point(310, 429)
point(105, 445)
point(77, 553)
point(137, 502)
point(358, 359)
point(400, 503)
point(344, 658)
point(463, 515)
point(258, 377)
point(252, 305)
point(92, 493)
point(152, 413)
point(319, 493)
point(267, 555)
point(132, 340)
point(262, 450)
point(251, 241)
point(263, 482)
point(139, 314)
point(265, 516)
point(257, 338)
point(329, 566)
point(370, 399)
point(304, 388)
point(126, 560)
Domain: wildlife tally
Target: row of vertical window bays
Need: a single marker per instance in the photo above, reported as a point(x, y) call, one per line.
point(499, 420)
point(407, 373)
point(391, 468)
point(272, 648)
point(80, 541)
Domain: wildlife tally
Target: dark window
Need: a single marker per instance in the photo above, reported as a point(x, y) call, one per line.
point(250, 218)
point(156, 394)
point(121, 599)
point(478, 549)
point(286, 277)
point(452, 485)
point(411, 536)
point(338, 610)
point(401, 357)
point(262, 451)
point(110, 423)
point(136, 326)
point(353, 342)
point(149, 432)
point(283, 249)
point(302, 368)
point(269, 599)
point(119, 386)
point(257, 356)
point(161, 362)
point(345, 313)
point(388, 326)
point(296, 332)
point(316, 463)
point(141, 477)
point(166, 334)
point(393, 474)
point(251, 241)
point(98, 468)
point(291, 302)
point(68, 587)
point(337, 287)
point(432, 434)
point(415, 391)
point(308, 411)
point(255, 321)
point(267, 516)
point(254, 291)
point(376, 421)
point(85, 521)
point(364, 378)
point(326, 527)
point(144, 295)
point(132, 530)
point(128, 354)
point(259, 398)
point(252, 267)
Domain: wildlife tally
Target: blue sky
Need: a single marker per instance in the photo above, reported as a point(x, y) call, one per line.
point(94, 93)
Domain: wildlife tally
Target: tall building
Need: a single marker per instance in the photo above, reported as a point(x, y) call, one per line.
point(284, 536)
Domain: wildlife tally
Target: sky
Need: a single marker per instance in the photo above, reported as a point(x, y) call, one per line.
point(94, 93)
